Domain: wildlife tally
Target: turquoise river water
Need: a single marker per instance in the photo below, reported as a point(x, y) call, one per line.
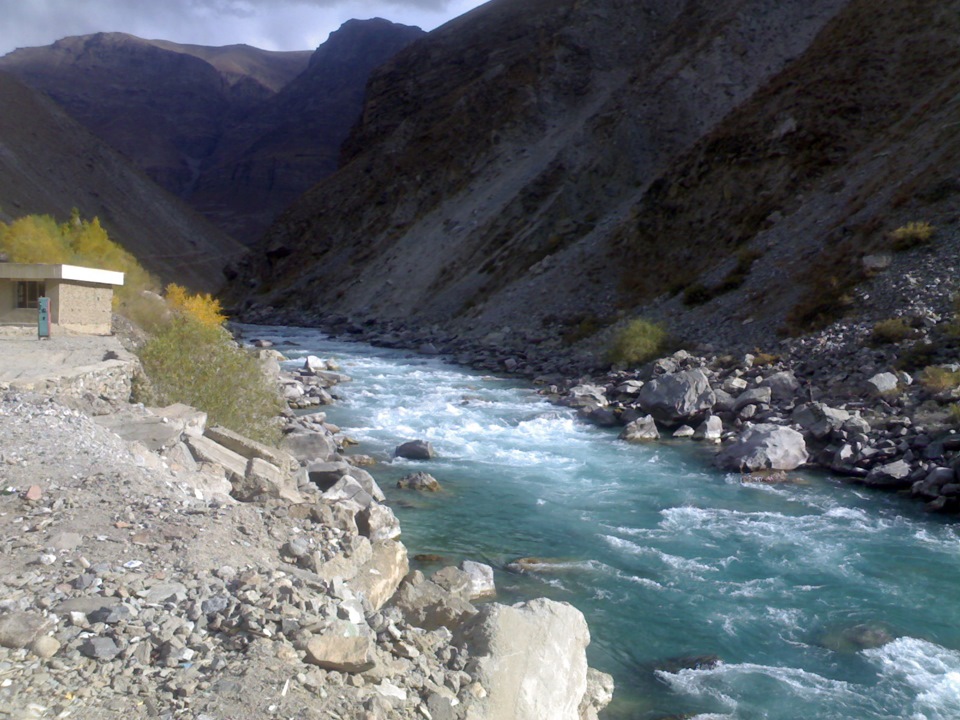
point(819, 599)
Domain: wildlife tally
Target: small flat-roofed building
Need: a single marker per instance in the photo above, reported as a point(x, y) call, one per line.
point(81, 298)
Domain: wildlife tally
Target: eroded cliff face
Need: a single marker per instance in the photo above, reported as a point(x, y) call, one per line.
point(498, 157)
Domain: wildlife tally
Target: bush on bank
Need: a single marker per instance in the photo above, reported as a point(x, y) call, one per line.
point(639, 341)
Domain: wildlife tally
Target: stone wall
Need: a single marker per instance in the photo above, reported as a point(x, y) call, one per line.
point(81, 307)
point(96, 390)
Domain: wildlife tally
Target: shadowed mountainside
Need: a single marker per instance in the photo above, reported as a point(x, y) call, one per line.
point(237, 132)
point(49, 164)
point(550, 167)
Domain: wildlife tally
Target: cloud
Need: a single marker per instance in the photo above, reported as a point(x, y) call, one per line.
point(270, 24)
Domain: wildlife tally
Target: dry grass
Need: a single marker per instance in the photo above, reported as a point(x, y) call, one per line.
point(911, 235)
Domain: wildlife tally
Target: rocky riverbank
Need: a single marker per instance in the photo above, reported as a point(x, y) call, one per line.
point(836, 400)
point(157, 567)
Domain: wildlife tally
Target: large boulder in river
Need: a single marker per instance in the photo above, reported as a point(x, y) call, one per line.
point(530, 658)
point(641, 430)
point(419, 481)
point(415, 450)
point(765, 446)
point(677, 398)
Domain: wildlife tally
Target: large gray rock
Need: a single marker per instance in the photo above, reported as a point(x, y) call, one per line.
point(327, 474)
point(754, 396)
point(765, 447)
point(531, 660)
point(641, 430)
point(892, 476)
point(415, 450)
point(419, 481)
point(482, 583)
point(378, 522)
point(819, 420)
point(883, 384)
point(250, 449)
point(346, 489)
point(307, 446)
point(674, 399)
point(598, 695)
point(264, 479)
point(710, 430)
point(784, 385)
point(585, 396)
point(343, 654)
point(380, 577)
point(428, 605)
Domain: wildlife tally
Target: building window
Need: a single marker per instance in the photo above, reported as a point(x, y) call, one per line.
point(28, 293)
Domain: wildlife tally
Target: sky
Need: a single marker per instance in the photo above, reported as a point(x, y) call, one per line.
point(267, 24)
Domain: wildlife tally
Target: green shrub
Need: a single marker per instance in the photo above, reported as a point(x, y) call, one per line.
point(911, 235)
point(939, 379)
point(639, 341)
point(199, 365)
point(894, 330)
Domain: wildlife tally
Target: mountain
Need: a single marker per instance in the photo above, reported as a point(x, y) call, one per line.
point(270, 157)
point(50, 164)
point(162, 105)
point(237, 132)
point(536, 171)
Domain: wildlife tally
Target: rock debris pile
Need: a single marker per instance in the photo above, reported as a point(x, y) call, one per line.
point(157, 567)
point(882, 430)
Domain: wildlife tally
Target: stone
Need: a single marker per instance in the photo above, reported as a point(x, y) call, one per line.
point(341, 654)
point(710, 430)
point(481, 584)
point(734, 385)
point(882, 384)
point(33, 493)
point(818, 419)
point(45, 647)
point(530, 658)
point(641, 430)
point(784, 385)
point(347, 489)
point(684, 431)
point(261, 478)
point(597, 696)
point(65, 541)
point(894, 475)
point(676, 398)
point(585, 396)
point(99, 648)
point(419, 481)
point(754, 396)
point(19, 629)
point(765, 446)
point(326, 474)
point(425, 604)
point(206, 450)
point(378, 522)
point(415, 450)
point(308, 446)
point(251, 449)
point(378, 579)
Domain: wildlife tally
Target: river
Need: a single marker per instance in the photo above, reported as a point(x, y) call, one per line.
point(810, 600)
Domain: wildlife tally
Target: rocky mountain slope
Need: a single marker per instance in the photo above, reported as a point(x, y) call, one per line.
point(50, 164)
point(236, 131)
point(531, 173)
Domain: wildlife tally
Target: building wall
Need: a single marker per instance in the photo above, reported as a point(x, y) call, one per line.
point(9, 313)
point(81, 307)
point(74, 306)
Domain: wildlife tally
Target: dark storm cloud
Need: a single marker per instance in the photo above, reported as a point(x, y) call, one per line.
point(270, 24)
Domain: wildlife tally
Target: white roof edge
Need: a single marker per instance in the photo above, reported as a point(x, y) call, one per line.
point(49, 271)
point(92, 275)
